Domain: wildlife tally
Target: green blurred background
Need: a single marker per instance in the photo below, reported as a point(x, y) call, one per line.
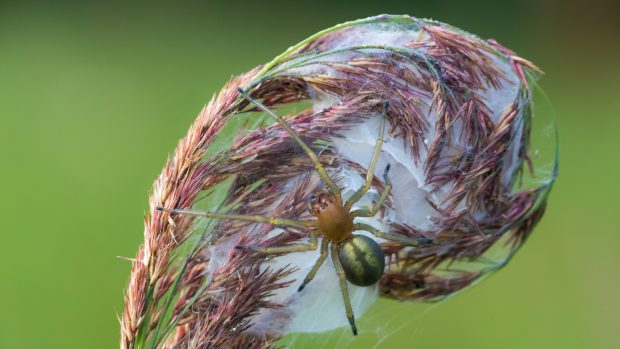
point(93, 96)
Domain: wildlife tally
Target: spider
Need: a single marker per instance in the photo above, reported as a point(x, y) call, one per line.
point(357, 258)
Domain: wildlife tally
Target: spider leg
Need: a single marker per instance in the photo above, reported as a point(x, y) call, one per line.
point(373, 211)
point(343, 287)
point(284, 249)
point(241, 217)
point(317, 265)
point(392, 237)
point(373, 162)
point(311, 154)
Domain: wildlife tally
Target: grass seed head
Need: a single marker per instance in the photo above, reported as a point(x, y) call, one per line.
point(459, 122)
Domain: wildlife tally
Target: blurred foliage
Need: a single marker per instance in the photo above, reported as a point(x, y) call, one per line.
point(95, 95)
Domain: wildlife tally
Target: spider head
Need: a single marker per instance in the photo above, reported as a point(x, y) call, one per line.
point(318, 204)
point(335, 222)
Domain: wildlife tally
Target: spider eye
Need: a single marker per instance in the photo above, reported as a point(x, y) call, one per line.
point(362, 259)
point(322, 201)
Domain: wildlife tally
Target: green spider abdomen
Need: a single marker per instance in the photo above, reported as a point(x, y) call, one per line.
point(362, 259)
